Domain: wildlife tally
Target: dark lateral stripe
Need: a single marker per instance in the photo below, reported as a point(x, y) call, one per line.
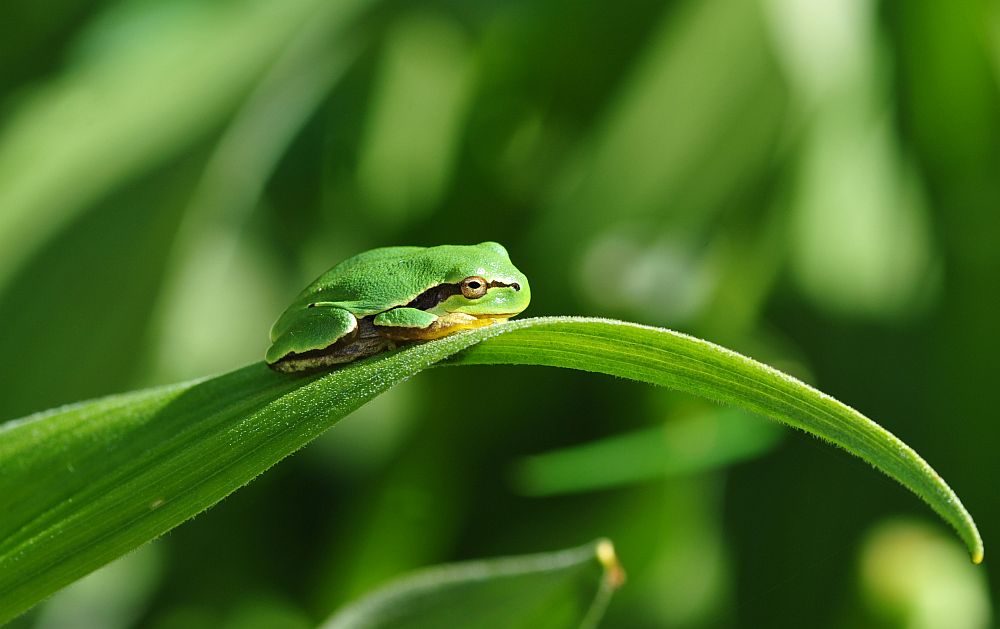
point(435, 295)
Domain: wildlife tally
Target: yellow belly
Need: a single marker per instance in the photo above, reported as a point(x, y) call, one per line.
point(445, 325)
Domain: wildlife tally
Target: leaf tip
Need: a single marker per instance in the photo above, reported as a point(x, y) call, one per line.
point(614, 574)
point(975, 543)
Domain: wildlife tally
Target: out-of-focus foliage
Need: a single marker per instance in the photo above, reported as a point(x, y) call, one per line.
point(687, 445)
point(910, 575)
point(812, 183)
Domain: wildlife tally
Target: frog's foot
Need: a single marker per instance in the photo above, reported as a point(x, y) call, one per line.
point(411, 324)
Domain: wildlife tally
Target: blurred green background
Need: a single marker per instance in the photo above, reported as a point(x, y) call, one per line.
point(816, 184)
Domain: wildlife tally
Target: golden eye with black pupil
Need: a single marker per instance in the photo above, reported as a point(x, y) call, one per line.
point(474, 287)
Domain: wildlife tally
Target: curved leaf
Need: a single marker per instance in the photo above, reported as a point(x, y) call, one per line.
point(686, 363)
point(569, 588)
point(86, 483)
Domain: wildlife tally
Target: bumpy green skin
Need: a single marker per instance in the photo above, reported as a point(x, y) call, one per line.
point(358, 307)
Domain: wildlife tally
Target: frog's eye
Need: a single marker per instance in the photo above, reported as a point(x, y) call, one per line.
point(474, 287)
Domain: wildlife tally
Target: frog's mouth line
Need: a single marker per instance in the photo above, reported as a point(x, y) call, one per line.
point(434, 296)
point(499, 316)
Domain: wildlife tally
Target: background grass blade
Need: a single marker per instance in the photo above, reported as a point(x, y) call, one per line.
point(86, 483)
point(195, 66)
point(567, 589)
point(686, 445)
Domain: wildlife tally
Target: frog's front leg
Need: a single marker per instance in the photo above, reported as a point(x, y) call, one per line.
point(405, 324)
point(411, 324)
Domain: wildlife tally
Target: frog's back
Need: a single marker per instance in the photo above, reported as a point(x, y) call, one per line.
point(364, 263)
point(380, 279)
point(366, 279)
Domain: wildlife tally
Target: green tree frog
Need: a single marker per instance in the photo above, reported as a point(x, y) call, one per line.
point(383, 297)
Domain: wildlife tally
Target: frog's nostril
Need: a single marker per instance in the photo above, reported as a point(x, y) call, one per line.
point(515, 286)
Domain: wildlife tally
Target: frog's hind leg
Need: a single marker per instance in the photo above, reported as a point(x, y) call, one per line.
point(320, 337)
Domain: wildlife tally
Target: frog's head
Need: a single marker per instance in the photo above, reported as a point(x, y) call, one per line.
point(485, 283)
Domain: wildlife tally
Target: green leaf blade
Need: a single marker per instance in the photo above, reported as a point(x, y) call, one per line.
point(686, 363)
point(84, 484)
point(565, 589)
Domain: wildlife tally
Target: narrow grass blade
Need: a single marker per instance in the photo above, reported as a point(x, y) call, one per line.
point(567, 589)
point(83, 484)
point(688, 445)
